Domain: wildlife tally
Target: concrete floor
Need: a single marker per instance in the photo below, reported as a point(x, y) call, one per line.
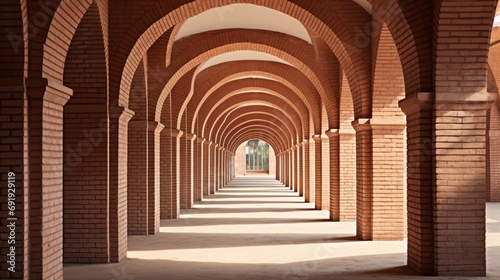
point(255, 228)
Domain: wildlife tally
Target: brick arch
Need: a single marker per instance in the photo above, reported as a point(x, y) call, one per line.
point(242, 116)
point(85, 146)
point(231, 116)
point(15, 50)
point(493, 67)
point(328, 25)
point(492, 81)
point(415, 51)
point(252, 136)
point(222, 107)
point(234, 40)
point(259, 132)
point(273, 88)
point(289, 77)
point(278, 112)
point(56, 46)
point(236, 127)
point(464, 57)
point(388, 79)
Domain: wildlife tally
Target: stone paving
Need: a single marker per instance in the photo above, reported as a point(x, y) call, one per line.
point(256, 228)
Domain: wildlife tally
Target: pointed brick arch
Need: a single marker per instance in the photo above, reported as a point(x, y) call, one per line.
point(337, 36)
point(255, 135)
point(223, 107)
point(288, 76)
point(256, 41)
point(261, 116)
point(259, 132)
point(221, 126)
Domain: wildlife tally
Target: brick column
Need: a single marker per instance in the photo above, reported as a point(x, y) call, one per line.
point(492, 156)
point(170, 169)
point(45, 117)
point(211, 167)
point(306, 169)
point(295, 169)
point(186, 171)
point(300, 168)
point(344, 203)
point(335, 188)
point(197, 168)
point(278, 168)
point(311, 195)
point(447, 182)
point(322, 165)
point(220, 170)
point(206, 167)
point(155, 130)
point(288, 168)
point(380, 179)
point(14, 159)
point(137, 189)
point(118, 149)
point(291, 169)
point(285, 168)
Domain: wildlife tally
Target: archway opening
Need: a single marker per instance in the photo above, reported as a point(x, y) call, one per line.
point(255, 158)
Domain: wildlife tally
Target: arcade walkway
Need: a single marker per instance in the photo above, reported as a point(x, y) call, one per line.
point(255, 228)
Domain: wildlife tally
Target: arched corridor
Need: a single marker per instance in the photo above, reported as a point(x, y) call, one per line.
point(124, 121)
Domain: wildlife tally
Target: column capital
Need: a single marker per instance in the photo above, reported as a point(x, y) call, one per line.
point(420, 101)
point(332, 132)
point(49, 90)
point(189, 136)
point(156, 127)
point(378, 123)
point(200, 140)
point(174, 132)
point(316, 137)
point(426, 101)
point(208, 143)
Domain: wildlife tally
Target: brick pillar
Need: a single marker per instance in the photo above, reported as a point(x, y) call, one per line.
point(347, 167)
point(380, 184)
point(492, 155)
point(285, 169)
point(219, 173)
point(186, 171)
point(85, 179)
point(211, 167)
point(278, 167)
point(335, 188)
point(206, 167)
point(300, 169)
point(307, 166)
point(322, 164)
point(137, 189)
point(154, 131)
point(295, 168)
point(118, 150)
point(215, 170)
point(45, 116)
point(311, 195)
point(14, 159)
point(289, 173)
point(197, 170)
point(292, 176)
point(447, 182)
point(170, 168)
